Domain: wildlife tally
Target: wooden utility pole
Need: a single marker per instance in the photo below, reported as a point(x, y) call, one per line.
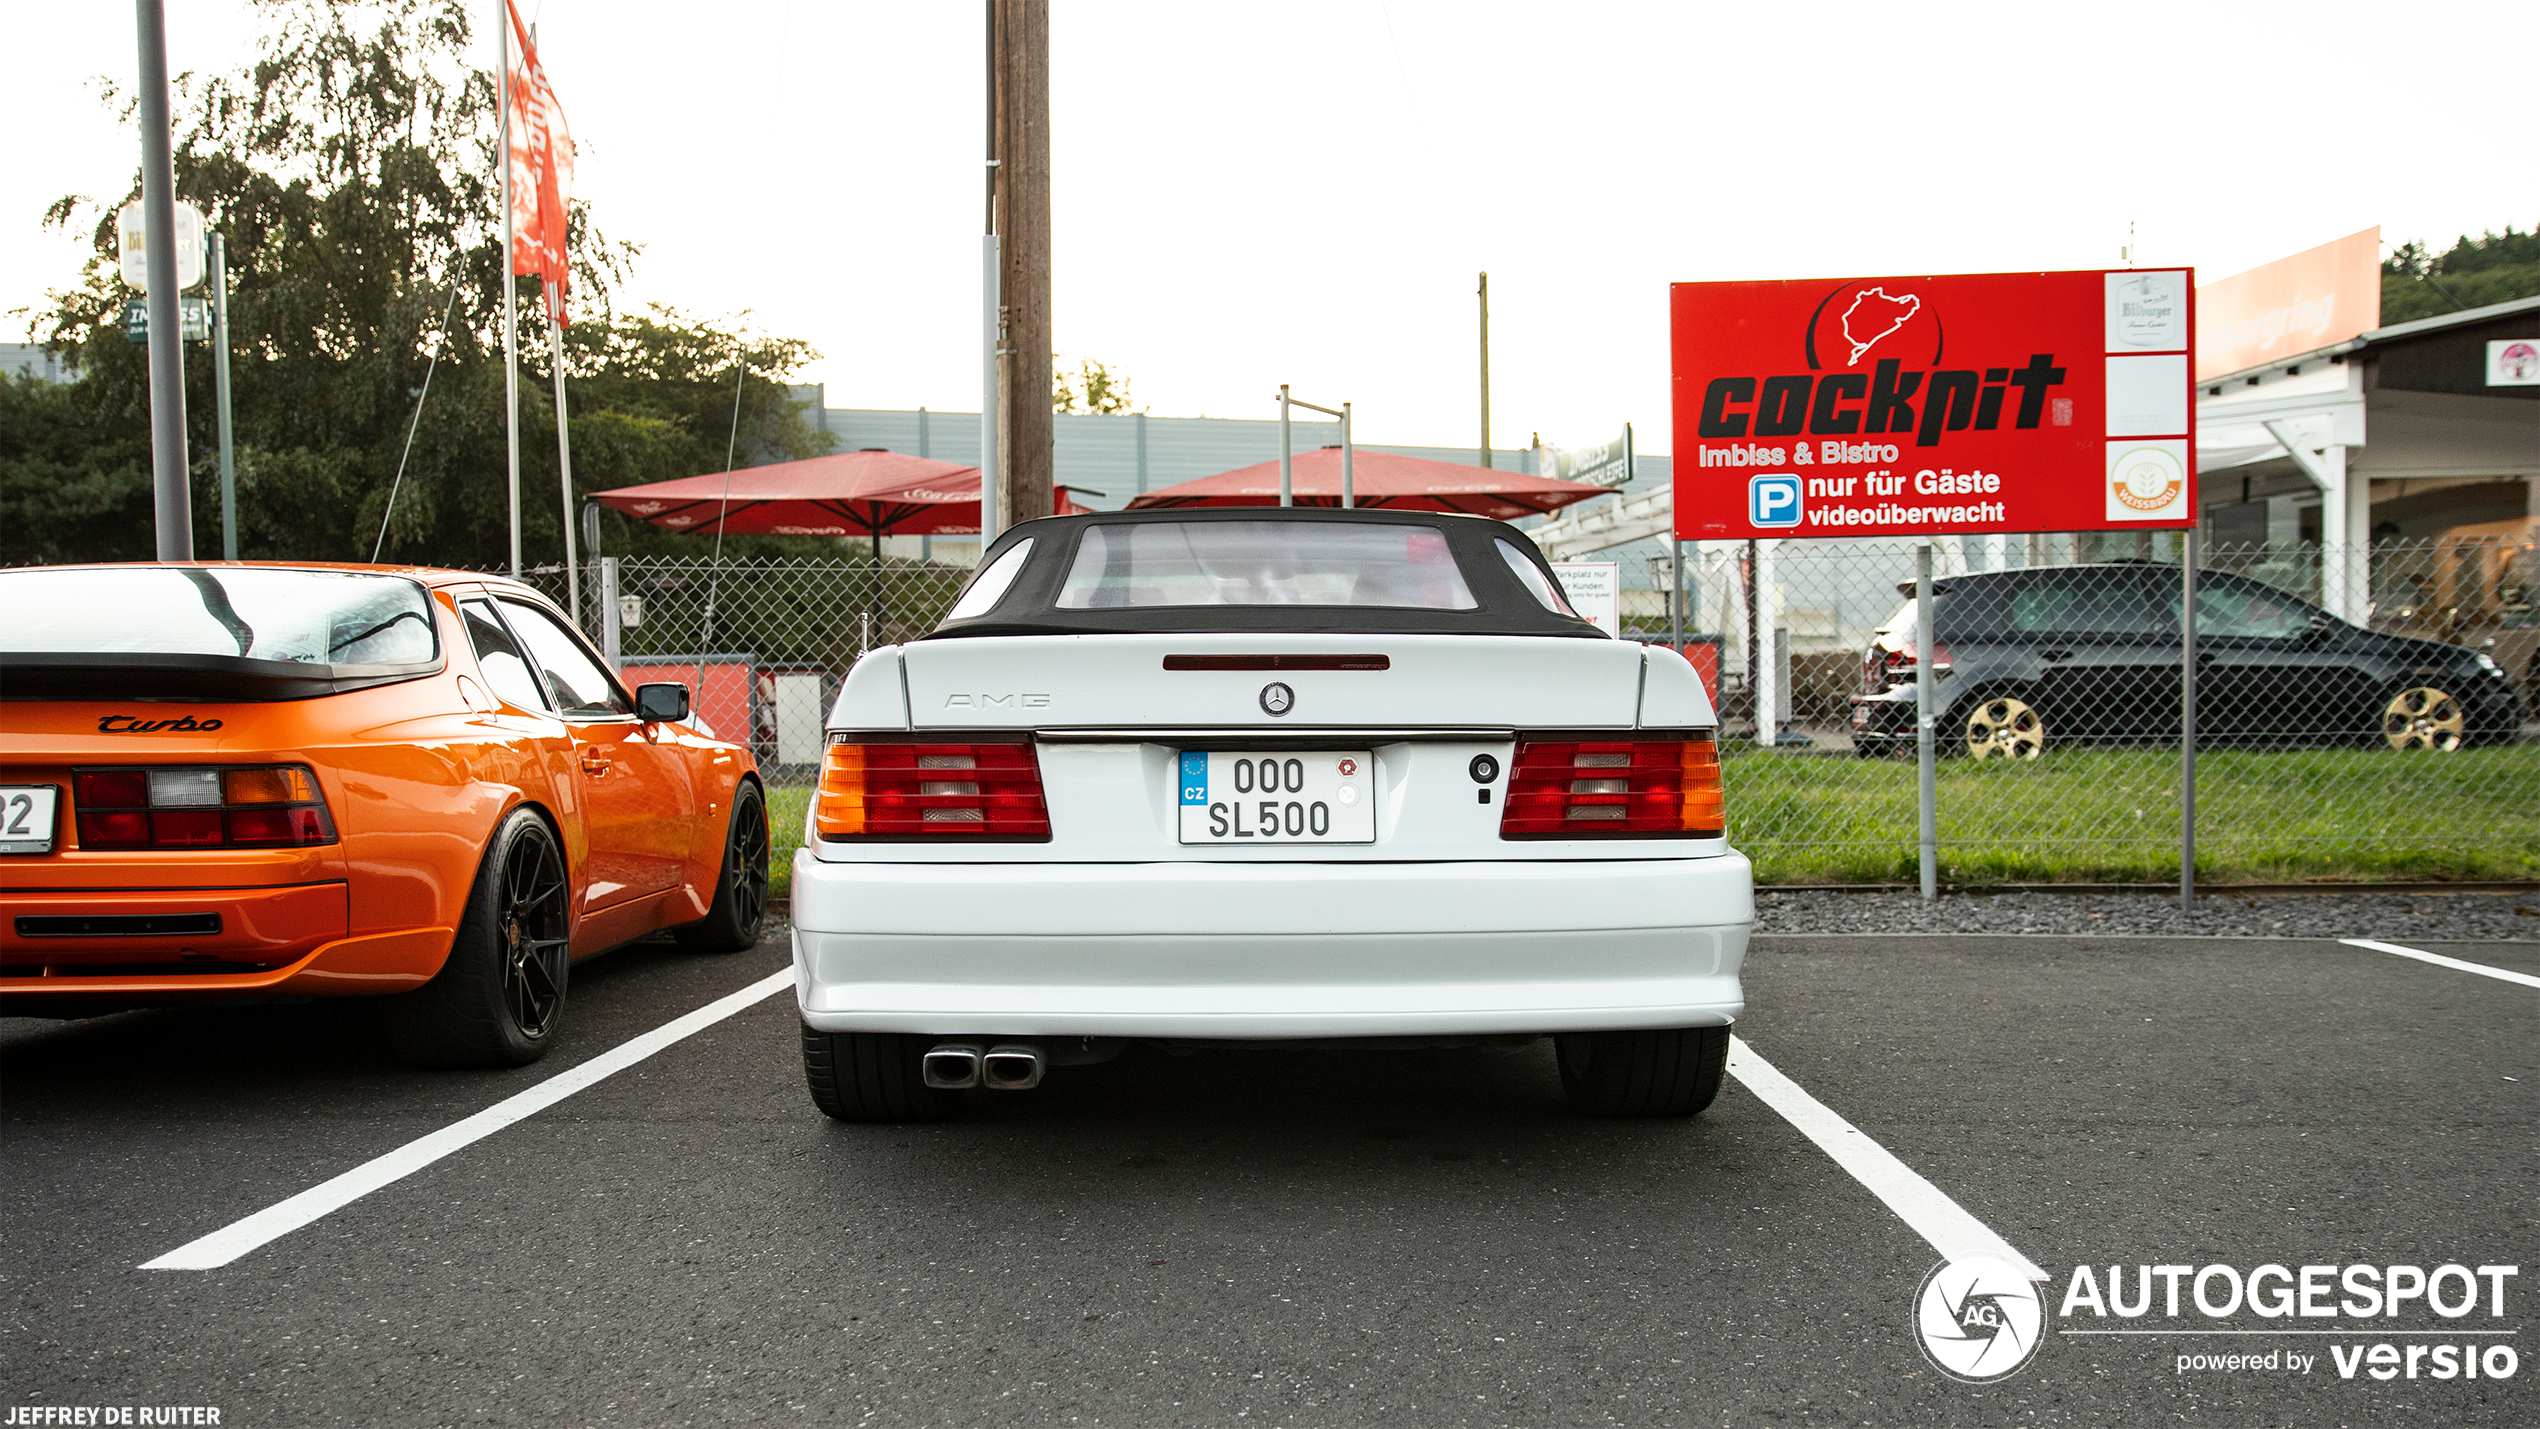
point(1483, 293)
point(1023, 223)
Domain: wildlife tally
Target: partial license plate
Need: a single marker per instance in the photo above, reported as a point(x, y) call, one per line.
point(26, 817)
point(1242, 796)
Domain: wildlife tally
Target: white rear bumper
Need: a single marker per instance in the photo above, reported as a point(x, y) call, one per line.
point(1270, 950)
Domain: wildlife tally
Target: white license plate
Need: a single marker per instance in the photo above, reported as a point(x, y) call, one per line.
point(26, 817)
point(1245, 796)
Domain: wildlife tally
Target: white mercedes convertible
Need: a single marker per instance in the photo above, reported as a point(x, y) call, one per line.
point(1265, 776)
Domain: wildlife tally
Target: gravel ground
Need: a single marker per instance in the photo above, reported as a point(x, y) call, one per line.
point(2393, 917)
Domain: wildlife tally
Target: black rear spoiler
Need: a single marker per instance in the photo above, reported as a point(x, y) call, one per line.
point(209, 679)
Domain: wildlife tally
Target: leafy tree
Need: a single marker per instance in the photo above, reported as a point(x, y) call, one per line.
point(351, 168)
point(2417, 282)
point(1093, 388)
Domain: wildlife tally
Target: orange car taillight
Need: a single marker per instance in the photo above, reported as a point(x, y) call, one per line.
point(233, 806)
point(1591, 788)
point(897, 790)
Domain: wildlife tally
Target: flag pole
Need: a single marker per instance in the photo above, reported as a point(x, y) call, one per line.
point(511, 305)
point(564, 437)
point(564, 468)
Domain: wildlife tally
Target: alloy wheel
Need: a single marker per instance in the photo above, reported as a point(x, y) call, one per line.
point(2005, 726)
point(535, 944)
point(745, 864)
point(2424, 718)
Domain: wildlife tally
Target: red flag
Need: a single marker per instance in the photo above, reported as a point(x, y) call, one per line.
point(541, 170)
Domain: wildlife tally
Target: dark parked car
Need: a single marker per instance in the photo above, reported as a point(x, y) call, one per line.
point(2031, 659)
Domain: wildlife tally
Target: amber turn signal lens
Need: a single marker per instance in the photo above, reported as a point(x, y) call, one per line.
point(1705, 809)
point(838, 810)
point(288, 785)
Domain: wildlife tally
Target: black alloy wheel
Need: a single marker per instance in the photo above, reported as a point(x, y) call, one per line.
point(739, 910)
point(534, 926)
point(500, 994)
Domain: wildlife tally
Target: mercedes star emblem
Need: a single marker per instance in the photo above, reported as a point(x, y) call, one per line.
point(1277, 699)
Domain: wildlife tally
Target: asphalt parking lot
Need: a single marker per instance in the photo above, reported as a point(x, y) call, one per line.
point(1281, 1237)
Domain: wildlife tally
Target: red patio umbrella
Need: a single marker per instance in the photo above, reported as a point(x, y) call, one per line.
point(1383, 480)
point(864, 493)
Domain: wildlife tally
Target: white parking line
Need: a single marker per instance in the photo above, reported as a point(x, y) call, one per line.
point(1920, 1204)
point(283, 1217)
point(2440, 961)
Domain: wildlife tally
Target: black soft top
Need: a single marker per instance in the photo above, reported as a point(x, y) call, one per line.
point(1503, 605)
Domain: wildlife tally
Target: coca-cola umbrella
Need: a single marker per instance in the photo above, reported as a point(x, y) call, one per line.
point(1383, 481)
point(863, 493)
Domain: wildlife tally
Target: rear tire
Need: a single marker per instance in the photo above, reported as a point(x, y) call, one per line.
point(872, 1076)
point(733, 922)
point(1675, 1071)
point(499, 997)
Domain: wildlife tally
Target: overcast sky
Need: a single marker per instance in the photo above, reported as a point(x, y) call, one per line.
point(1248, 195)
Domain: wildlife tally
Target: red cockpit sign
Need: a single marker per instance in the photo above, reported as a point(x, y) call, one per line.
point(1973, 402)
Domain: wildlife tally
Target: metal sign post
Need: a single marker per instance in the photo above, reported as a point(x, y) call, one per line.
point(2187, 723)
point(1287, 496)
point(1925, 749)
point(1676, 597)
point(1349, 449)
point(220, 397)
point(173, 502)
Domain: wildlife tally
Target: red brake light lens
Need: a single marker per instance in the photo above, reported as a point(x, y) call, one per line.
point(924, 791)
point(111, 788)
point(249, 806)
point(1571, 789)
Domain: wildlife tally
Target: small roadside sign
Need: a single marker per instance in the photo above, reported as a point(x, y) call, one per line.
point(134, 239)
point(194, 319)
point(1608, 463)
point(1595, 589)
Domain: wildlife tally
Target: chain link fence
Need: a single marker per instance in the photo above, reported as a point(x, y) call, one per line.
point(2323, 751)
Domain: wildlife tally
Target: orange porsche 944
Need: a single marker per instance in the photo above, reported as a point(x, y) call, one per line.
point(250, 781)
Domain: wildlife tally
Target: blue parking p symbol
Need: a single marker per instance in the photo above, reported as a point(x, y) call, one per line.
point(1773, 501)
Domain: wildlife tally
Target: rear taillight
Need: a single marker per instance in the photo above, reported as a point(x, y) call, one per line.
point(1590, 788)
point(235, 806)
point(900, 790)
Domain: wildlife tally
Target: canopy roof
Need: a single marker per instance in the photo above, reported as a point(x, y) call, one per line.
point(868, 493)
point(1384, 481)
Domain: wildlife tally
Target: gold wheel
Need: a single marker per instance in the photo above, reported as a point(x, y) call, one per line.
point(2007, 727)
point(2424, 718)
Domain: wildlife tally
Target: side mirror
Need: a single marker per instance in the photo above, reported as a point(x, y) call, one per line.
point(665, 703)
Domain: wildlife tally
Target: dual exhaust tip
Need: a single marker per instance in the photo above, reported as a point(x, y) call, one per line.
point(1004, 1067)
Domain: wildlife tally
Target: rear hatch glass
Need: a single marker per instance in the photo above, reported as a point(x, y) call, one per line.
point(195, 632)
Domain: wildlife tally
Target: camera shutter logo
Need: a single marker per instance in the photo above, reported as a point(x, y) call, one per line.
point(1978, 1321)
point(1277, 699)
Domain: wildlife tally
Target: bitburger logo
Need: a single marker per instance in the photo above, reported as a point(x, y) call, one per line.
point(1978, 1320)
